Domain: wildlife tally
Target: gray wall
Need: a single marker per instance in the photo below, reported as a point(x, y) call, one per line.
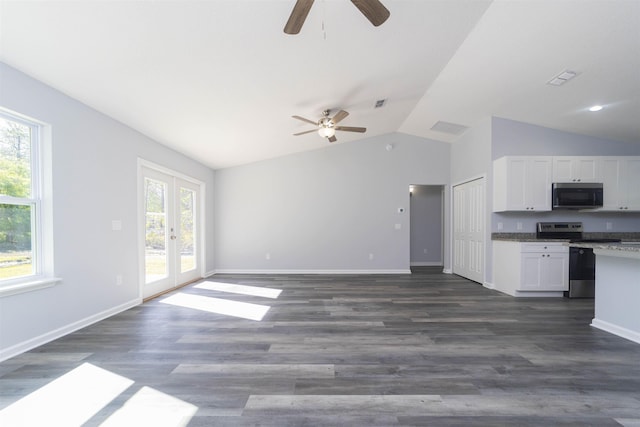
point(94, 182)
point(426, 224)
point(325, 210)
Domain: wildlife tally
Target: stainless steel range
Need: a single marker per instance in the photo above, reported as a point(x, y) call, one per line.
point(582, 261)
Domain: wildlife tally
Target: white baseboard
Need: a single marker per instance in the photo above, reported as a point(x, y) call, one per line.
point(234, 271)
point(488, 285)
point(65, 330)
point(616, 330)
point(538, 294)
point(447, 271)
point(426, 264)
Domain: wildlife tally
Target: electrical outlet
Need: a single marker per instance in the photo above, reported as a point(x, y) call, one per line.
point(500, 226)
point(267, 256)
point(609, 226)
point(426, 251)
point(398, 226)
point(371, 256)
point(119, 279)
point(518, 226)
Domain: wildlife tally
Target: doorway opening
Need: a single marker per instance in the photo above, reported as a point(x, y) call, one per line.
point(426, 223)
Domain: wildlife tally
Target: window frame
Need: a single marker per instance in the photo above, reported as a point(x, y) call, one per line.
point(39, 200)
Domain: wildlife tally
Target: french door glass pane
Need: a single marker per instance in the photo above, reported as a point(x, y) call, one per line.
point(16, 255)
point(155, 194)
point(187, 230)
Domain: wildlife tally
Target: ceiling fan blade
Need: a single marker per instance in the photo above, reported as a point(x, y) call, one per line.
point(373, 10)
point(340, 115)
point(307, 131)
point(351, 129)
point(297, 17)
point(305, 120)
point(333, 139)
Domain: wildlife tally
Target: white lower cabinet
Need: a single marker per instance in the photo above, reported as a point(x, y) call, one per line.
point(530, 268)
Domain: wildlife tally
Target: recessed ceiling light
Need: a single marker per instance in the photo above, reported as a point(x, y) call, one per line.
point(596, 108)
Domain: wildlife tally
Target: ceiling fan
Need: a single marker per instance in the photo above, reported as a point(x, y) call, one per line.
point(373, 10)
point(326, 126)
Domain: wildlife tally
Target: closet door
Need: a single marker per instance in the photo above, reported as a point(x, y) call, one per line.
point(468, 229)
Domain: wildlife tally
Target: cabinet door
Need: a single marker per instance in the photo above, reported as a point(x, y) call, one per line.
point(631, 180)
point(576, 169)
point(554, 275)
point(522, 184)
point(516, 184)
point(530, 271)
point(613, 191)
point(563, 169)
point(538, 185)
point(587, 169)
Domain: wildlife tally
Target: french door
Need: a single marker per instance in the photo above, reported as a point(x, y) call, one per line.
point(171, 231)
point(468, 229)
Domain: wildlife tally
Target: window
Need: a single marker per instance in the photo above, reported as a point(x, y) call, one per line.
point(22, 252)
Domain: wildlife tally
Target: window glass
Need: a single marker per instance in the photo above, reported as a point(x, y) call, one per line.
point(18, 200)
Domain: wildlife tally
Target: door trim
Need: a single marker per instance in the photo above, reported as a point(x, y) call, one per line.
point(143, 163)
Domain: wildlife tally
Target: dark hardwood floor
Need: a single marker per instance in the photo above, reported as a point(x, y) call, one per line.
point(422, 349)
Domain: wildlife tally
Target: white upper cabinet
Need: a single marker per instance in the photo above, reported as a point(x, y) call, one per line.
point(576, 169)
point(621, 181)
point(522, 184)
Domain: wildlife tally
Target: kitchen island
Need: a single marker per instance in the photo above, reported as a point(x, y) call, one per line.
point(617, 290)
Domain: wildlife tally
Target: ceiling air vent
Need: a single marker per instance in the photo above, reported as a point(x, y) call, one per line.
point(447, 127)
point(380, 103)
point(562, 78)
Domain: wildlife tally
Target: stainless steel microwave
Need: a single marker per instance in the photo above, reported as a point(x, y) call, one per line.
point(574, 195)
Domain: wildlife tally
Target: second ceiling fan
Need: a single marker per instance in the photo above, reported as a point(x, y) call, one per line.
point(326, 126)
point(373, 10)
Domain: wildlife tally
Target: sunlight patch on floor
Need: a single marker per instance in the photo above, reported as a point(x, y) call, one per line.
point(69, 400)
point(152, 408)
point(240, 289)
point(242, 310)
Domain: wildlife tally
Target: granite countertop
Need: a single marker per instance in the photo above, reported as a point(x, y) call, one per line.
point(531, 237)
point(626, 247)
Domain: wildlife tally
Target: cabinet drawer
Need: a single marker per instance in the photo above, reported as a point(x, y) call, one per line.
point(544, 247)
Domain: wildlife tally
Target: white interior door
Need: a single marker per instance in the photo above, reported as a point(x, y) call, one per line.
point(171, 231)
point(468, 229)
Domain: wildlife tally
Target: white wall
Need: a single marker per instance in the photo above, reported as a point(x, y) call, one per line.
point(426, 224)
point(325, 210)
point(94, 182)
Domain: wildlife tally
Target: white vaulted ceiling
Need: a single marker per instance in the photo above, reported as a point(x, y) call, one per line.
point(219, 80)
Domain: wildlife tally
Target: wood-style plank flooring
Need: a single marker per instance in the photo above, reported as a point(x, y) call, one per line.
point(422, 349)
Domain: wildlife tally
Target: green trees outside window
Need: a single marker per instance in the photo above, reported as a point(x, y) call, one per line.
point(16, 205)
